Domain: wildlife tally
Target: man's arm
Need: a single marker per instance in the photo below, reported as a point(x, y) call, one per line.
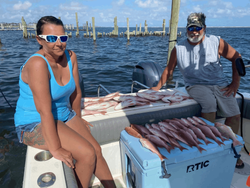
point(231, 54)
point(168, 71)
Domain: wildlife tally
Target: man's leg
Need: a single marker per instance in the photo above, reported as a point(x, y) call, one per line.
point(205, 97)
point(209, 116)
point(234, 123)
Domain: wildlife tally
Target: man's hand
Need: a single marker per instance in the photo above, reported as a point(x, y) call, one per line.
point(231, 88)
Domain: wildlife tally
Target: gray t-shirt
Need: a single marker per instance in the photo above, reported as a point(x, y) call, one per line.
point(200, 64)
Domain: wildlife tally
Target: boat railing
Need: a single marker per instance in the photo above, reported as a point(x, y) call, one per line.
point(138, 83)
point(101, 86)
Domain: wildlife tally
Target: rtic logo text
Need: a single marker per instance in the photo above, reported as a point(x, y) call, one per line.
point(197, 166)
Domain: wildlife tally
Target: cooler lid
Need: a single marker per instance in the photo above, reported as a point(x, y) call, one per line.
point(148, 159)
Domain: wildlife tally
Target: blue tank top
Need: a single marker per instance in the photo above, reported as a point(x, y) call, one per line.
point(200, 64)
point(26, 110)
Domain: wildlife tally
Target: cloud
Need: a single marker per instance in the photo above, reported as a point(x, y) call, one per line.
point(72, 6)
point(22, 6)
point(228, 5)
point(150, 3)
point(120, 2)
point(197, 8)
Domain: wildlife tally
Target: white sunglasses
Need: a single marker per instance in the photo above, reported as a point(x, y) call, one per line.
point(54, 38)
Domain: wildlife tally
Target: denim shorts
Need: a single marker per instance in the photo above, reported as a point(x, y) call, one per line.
point(31, 126)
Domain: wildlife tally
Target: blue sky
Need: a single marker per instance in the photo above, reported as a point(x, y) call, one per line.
point(218, 12)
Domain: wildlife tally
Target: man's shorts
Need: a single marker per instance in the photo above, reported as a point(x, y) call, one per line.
point(211, 99)
point(31, 126)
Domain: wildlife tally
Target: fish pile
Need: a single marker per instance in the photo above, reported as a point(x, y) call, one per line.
point(95, 105)
point(169, 133)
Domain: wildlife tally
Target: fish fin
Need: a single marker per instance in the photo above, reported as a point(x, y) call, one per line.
point(219, 142)
point(224, 139)
point(164, 157)
point(208, 142)
point(236, 143)
point(168, 149)
point(199, 142)
point(200, 149)
point(182, 148)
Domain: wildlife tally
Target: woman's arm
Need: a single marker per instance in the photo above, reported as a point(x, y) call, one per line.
point(75, 98)
point(38, 80)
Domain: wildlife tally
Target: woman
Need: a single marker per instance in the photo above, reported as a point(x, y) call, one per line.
point(48, 82)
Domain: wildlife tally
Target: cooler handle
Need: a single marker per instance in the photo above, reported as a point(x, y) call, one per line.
point(129, 176)
point(130, 180)
point(235, 152)
point(166, 175)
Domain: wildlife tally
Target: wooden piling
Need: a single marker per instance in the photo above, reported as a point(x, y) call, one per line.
point(128, 29)
point(140, 30)
point(146, 28)
point(25, 34)
point(87, 28)
point(164, 27)
point(173, 28)
point(136, 32)
point(93, 26)
point(77, 28)
point(115, 31)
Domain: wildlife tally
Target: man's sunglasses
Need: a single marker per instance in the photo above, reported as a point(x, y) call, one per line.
point(54, 38)
point(192, 28)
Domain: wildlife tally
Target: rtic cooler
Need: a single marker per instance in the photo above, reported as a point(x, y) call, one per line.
point(213, 168)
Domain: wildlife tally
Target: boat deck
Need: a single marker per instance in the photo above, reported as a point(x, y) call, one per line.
point(241, 175)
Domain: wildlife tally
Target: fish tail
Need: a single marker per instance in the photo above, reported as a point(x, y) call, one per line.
point(223, 139)
point(182, 148)
point(208, 142)
point(164, 157)
point(219, 142)
point(236, 143)
point(199, 142)
point(168, 149)
point(200, 149)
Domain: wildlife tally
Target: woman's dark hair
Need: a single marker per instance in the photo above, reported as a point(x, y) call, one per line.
point(45, 20)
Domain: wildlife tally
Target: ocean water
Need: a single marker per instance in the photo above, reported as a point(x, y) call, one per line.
point(107, 61)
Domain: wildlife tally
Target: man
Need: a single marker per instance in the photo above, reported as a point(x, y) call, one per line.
point(198, 59)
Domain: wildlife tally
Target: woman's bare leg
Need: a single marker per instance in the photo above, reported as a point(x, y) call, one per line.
point(82, 151)
point(102, 171)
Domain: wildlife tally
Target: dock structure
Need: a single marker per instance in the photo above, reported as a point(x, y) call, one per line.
point(173, 29)
point(139, 32)
point(127, 32)
point(99, 34)
point(77, 28)
point(161, 33)
point(115, 31)
point(70, 27)
point(87, 30)
point(25, 34)
point(93, 25)
point(164, 27)
point(146, 28)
